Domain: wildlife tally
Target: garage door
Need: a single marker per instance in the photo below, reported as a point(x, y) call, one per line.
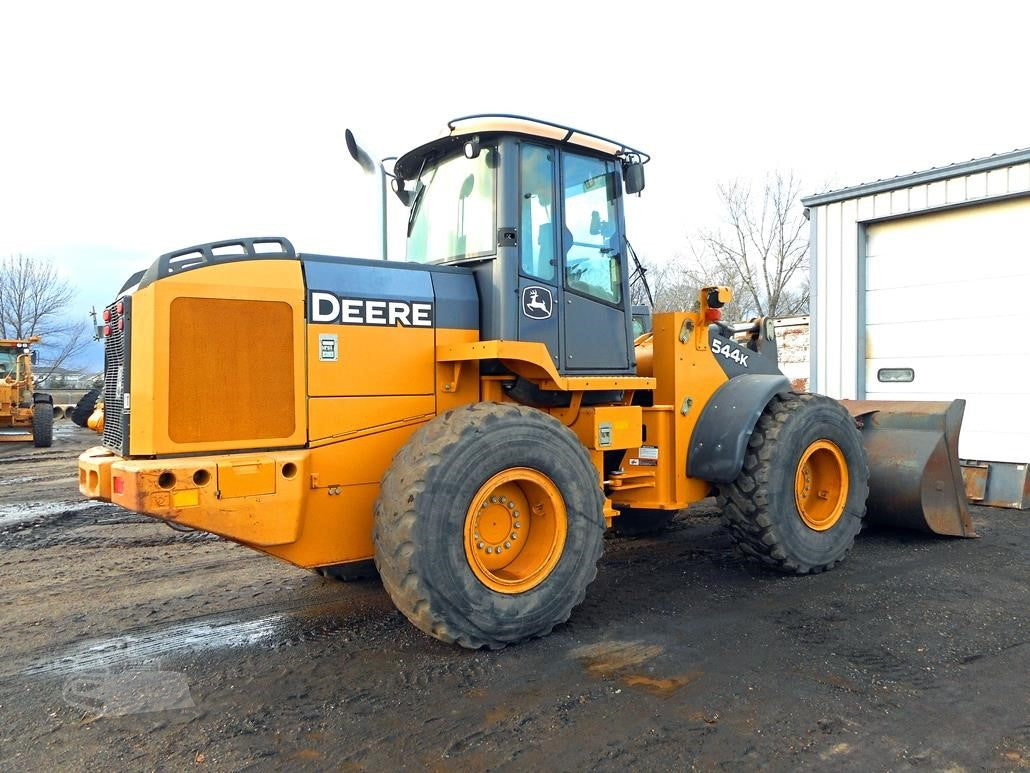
point(948, 296)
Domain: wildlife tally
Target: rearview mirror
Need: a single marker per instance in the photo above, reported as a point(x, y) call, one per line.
point(633, 174)
point(403, 194)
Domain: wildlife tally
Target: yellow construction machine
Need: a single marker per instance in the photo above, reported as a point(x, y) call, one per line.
point(473, 418)
point(24, 414)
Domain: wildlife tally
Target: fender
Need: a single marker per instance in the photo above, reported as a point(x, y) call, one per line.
point(42, 397)
point(721, 435)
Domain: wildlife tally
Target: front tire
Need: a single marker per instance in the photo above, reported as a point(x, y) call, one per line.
point(489, 525)
point(799, 499)
point(42, 425)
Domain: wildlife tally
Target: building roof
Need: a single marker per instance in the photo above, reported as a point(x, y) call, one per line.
point(972, 166)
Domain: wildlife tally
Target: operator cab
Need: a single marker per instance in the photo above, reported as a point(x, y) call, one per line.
point(535, 210)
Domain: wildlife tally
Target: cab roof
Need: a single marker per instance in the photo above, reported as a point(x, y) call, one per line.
point(461, 129)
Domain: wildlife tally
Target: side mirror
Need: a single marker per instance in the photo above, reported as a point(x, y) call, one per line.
point(34, 357)
point(466, 187)
point(633, 174)
point(403, 194)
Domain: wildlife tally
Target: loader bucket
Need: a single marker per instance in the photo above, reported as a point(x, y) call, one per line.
point(915, 481)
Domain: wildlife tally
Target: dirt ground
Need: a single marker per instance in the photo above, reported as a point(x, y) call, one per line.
point(126, 644)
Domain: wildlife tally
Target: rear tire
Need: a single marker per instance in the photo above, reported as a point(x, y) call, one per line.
point(799, 500)
point(43, 425)
point(354, 571)
point(442, 500)
point(84, 408)
point(632, 522)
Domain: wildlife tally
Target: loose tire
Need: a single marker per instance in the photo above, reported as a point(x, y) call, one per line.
point(799, 500)
point(489, 475)
point(632, 522)
point(84, 408)
point(352, 572)
point(42, 425)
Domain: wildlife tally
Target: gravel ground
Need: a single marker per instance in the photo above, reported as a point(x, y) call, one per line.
point(127, 644)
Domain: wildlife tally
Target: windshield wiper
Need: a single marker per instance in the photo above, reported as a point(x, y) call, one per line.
point(414, 207)
point(419, 192)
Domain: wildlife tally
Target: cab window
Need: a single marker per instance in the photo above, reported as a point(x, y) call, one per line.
point(592, 239)
point(538, 239)
point(452, 217)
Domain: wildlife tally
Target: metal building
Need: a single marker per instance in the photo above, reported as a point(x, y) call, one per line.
point(920, 291)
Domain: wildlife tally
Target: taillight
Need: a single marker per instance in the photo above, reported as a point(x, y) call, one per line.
point(119, 307)
point(107, 330)
point(107, 315)
point(121, 324)
point(118, 484)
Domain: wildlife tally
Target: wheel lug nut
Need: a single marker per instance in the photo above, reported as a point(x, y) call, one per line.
point(507, 545)
point(503, 500)
point(493, 500)
point(511, 505)
point(489, 550)
point(514, 535)
point(517, 525)
point(480, 546)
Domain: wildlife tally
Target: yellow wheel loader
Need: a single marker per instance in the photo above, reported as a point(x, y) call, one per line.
point(474, 418)
point(24, 414)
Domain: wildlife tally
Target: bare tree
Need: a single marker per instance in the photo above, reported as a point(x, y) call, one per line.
point(761, 251)
point(34, 300)
point(671, 286)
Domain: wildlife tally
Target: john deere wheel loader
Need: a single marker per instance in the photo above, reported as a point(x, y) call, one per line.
point(474, 418)
point(24, 414)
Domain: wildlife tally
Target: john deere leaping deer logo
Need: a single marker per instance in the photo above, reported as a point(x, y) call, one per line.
point(537, 302)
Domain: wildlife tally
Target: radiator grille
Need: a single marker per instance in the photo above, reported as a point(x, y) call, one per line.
point(230, 373)
point(116, 374)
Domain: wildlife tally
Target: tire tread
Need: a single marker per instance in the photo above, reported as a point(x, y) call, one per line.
point(744, 503)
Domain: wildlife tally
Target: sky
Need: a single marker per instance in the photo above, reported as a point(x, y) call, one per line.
point(132, 129)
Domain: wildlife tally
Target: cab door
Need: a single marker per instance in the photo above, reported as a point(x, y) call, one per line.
point(594, 319)
point(539, 244)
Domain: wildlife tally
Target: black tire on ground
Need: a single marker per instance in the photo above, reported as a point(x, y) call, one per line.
point(421, 513)
point(632, 522)
point(42, 425)
point(84, 408)
point(759, 508)
point(351, 572)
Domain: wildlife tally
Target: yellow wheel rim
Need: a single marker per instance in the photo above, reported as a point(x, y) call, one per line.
point(821, 485)
point(515, 530)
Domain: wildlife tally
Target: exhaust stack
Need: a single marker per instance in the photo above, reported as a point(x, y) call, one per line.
point(369, 166)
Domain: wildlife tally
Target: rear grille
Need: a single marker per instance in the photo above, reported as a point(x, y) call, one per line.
point(116, 378)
